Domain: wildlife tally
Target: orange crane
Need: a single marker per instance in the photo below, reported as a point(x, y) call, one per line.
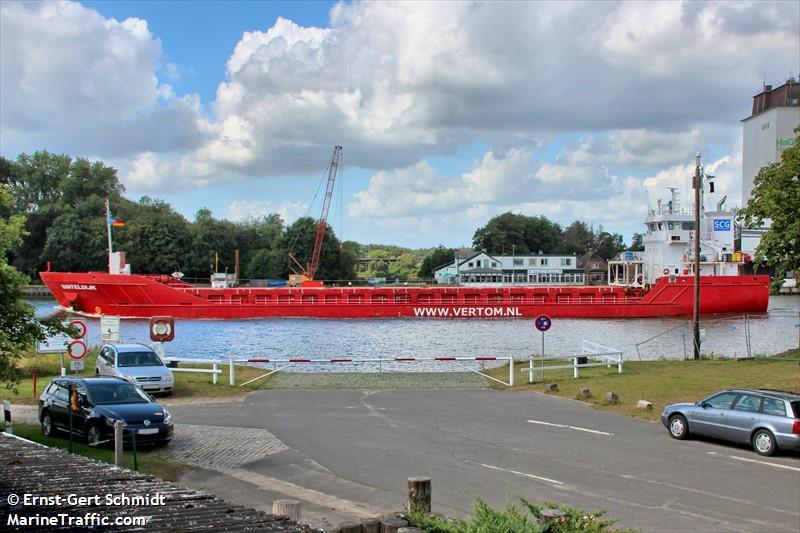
point(306, 274)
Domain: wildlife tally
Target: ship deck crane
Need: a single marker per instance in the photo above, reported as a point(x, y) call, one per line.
point(306, 273)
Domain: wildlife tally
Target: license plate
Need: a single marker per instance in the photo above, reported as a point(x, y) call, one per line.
point(150, 431)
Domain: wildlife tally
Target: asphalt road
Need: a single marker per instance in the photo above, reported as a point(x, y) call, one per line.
point(361, 446)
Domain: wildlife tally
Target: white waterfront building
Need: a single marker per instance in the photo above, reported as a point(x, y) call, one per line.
point(481, 268)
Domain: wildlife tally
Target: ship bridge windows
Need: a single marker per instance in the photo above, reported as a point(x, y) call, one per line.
point(687, 226)
point(651, 227)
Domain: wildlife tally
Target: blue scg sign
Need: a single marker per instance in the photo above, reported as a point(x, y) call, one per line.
point(722, 224)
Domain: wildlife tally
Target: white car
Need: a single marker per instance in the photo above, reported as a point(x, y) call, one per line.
point(138, 364)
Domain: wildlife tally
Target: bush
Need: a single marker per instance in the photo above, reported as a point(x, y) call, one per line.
point(513, 520)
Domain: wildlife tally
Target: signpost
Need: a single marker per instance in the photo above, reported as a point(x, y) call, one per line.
point(542, 323)
point(74, 345)
point(109, 328)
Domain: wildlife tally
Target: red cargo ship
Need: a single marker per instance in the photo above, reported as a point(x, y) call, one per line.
point(654, 283)
point(132, 295)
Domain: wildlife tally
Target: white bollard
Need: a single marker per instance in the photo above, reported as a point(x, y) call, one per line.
point(619, 364)
point(511, 371)
point(118, 442)
point(215, 368)
point(231, 373)
point(574, 367)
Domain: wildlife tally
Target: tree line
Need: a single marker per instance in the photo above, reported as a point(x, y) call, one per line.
point(62, 202)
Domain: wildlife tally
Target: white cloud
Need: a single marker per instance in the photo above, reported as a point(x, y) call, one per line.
point(246, 209)
point(81, 83)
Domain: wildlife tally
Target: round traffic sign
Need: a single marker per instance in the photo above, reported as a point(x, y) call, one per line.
point(76, 350)
point(543, 323)
point(80, 325)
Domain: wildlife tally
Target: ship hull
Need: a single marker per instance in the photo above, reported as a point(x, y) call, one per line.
point(138, 296)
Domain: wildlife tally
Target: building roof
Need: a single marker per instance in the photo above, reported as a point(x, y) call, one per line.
point(30, 468)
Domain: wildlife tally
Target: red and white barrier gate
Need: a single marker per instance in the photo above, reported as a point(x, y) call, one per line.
point(281, 364)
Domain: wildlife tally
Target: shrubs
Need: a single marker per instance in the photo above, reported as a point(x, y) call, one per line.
point(513, 520)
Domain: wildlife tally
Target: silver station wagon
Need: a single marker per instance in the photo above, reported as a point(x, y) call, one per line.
point(766, 419)
point(138, 364)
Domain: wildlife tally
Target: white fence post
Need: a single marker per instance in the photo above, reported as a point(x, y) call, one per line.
point(231, 372)
point(511, 371)
point(619, 364)
point(575, 367)
point(214, 379)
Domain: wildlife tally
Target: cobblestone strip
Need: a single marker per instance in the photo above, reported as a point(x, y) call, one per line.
point(221, 447)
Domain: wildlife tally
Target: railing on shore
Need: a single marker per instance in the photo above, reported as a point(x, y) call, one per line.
point(593, 354)
point(281, 364)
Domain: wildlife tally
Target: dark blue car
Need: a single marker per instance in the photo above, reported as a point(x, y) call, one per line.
point(96, 403)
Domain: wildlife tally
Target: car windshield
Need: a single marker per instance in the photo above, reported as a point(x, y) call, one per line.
point(114, 393)
point(138, 359)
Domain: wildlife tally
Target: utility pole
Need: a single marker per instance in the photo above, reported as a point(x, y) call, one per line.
point(698, 185)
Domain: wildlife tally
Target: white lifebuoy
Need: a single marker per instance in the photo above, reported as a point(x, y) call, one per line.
point(665, 271)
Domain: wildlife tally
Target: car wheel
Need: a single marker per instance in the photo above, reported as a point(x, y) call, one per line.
point(678, 427)
point(93, 436)
point(764, 442)
point(47, 425)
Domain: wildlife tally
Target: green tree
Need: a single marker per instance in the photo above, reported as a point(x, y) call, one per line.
point(77, 243)
point(438, 257)
point(158, 239)
point(523, 234)
point(637, 243)
point(577, 239)
point(18, 327)
point(333, 263)
point(776, 199)
point(608, 245)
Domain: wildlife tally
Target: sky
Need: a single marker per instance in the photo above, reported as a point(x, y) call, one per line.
point(449, 113)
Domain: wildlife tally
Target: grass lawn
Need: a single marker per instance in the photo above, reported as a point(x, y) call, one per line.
point(187, 385)
point(664, 382)
point(150, 460)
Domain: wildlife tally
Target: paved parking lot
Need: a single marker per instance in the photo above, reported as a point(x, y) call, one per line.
point(354, 449)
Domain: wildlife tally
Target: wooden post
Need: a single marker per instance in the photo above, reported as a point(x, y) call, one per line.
point(33, 380)
point(392, 524)
point(287, 508)
point(118, 442)
point(349, 527)
point(370, 525)
point(419, 494)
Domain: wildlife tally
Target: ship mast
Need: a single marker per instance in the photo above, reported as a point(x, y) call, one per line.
point(698, 185)
point(108, 227)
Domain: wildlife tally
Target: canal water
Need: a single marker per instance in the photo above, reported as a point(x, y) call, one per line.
point(658, 338)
